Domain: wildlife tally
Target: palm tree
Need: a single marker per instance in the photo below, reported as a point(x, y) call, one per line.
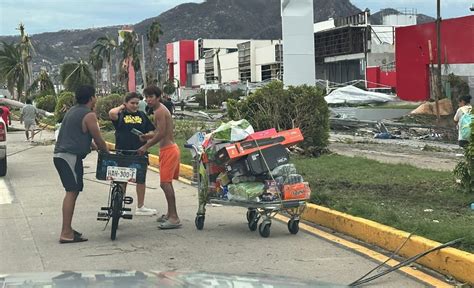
point(105, 47)
point(26, 50)
point(130, 54)
point(75, 74)
point(97, 62)
point(42, 84)
point(153, 37)
point(11, 68)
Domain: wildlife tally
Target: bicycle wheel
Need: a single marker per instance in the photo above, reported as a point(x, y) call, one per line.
point(116, 204)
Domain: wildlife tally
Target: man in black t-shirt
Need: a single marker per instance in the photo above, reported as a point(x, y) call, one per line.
point(125, 118)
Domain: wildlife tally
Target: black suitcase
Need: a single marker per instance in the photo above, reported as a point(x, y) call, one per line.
point(274, 156)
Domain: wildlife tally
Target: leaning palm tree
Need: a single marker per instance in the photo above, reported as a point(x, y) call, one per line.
point(97, 62)
point(153, 36)
point(105, 47)
point(75, 74)
point(42, 84)
point(11, 69)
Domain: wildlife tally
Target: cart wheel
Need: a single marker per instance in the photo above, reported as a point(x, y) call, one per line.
point(254, 221)
point(293, 226)
point(199, 221)
point(264, 229)
point(251, 214)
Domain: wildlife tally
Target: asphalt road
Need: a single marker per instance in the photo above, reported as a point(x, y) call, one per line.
point(30, 220)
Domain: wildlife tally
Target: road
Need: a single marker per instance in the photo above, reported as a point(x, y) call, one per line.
point(30, 219)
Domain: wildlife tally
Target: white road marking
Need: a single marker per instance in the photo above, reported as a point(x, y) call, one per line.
point(5, 196)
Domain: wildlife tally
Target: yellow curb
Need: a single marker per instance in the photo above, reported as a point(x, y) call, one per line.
point(369, 253)
point(185, 171)
point(448, 261)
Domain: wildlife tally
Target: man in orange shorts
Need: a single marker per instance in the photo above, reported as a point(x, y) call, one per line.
point(169, 154)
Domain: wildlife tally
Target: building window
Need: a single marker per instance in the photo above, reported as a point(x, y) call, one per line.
point(195, 67)
point(209, 67)
point(245, 73)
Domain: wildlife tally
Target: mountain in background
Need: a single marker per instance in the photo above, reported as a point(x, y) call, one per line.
point(377, 18)
point(226, 19)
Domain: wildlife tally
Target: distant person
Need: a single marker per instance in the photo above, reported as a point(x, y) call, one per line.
point(126, 117)
point(142, 104)
point(6, 115)
point(464, 108)
point(182, 105)
point(169, 104)
point(169, 154)
point(78, 128)
point(28, 116)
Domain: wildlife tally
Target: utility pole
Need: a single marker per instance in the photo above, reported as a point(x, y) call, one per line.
point(438, 47)
point(143, 68)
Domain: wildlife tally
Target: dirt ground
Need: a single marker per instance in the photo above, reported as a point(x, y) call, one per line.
point(420, 153)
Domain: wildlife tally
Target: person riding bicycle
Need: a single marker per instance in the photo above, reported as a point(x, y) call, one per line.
point(125, 118)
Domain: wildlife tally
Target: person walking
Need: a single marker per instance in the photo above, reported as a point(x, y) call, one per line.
point(28, 116)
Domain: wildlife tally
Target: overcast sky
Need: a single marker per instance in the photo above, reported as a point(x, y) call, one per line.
point(54, 15)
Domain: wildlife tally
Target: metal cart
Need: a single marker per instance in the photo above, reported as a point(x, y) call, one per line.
point(256, 211)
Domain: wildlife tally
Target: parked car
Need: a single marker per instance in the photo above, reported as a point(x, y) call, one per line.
point(3, 148)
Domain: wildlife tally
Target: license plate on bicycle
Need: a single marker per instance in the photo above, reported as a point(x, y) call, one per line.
point(122, 174)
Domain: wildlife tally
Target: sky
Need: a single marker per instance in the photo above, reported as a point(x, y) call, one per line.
point(54, 15)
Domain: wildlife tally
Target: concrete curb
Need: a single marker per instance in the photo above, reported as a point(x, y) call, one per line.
point(448, 261)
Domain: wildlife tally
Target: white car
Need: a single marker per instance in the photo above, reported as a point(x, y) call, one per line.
point(3, 147)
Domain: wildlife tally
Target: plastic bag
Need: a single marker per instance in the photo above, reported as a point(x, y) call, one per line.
point(284, 170)
point(233, 131)
point(242, 179)
point(245, 191)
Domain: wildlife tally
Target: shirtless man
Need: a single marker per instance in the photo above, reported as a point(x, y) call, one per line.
point(169, 154)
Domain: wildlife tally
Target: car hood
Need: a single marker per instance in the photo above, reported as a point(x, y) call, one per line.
point(119, 278)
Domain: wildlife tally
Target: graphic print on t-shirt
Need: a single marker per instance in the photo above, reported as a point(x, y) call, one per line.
point(130, 119)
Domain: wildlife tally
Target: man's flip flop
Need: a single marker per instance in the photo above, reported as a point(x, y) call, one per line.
point(77, 233)
point(77, 239)
point(168, 225)
point(162, 219)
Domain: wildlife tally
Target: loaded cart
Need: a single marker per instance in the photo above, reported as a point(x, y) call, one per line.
point(239, 167)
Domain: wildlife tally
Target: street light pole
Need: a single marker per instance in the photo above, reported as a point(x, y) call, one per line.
point(438, 47)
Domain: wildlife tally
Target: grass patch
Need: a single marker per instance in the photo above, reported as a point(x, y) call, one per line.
point(393, 194)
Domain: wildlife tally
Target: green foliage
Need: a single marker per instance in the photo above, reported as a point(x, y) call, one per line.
point(47, 103)
point(74, 75)
point(184, 129)
point(216, 97)
point(464, 170)
point(65, 101)
point(12, 70)
point(459, 88)
point(168, 88)
point(42, 85)
point(104, 104)
point(273, 106)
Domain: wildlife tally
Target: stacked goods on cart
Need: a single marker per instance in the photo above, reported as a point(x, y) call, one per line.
point(252, 166)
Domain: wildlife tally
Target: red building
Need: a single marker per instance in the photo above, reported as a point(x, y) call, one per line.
point(412, 56)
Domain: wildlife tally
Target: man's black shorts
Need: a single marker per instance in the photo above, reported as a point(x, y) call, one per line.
point(70, 170)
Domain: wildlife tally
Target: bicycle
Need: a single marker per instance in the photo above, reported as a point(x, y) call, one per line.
point(123, 167)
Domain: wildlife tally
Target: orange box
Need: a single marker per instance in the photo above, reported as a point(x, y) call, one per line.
point(240, 149)
point(298, 191)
